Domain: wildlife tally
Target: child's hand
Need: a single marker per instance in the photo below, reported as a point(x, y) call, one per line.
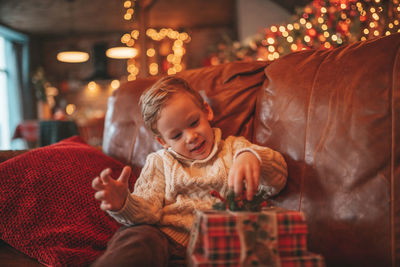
point(245, 167)
point(112, 193)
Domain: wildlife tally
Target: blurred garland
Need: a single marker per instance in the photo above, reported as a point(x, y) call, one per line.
point(323, 24)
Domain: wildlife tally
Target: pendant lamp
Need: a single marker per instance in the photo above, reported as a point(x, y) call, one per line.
point(121, 52)
point(72, 54)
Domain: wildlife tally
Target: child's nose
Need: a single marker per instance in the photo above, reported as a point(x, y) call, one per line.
point(191, 136)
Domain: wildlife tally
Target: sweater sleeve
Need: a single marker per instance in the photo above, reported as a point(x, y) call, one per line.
point(273, 168)
point(144, 204)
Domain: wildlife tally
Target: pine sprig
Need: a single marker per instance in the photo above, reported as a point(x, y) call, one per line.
point(239, 203)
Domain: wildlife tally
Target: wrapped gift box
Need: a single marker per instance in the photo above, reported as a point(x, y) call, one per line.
point(276, 236)
point(292, 233)
point(198, 260)
point(306, 260)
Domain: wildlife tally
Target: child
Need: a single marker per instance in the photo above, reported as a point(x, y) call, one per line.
point(178, 179)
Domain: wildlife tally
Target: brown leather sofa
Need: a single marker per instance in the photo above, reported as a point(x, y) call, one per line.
point(334, 115)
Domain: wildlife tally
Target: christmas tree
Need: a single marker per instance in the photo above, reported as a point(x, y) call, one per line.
point(323, 24)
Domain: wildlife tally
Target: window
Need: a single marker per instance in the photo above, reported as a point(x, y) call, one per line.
point(4, 125)
point(14, 84)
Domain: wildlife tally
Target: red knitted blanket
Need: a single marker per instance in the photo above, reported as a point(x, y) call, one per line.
point(47, 205)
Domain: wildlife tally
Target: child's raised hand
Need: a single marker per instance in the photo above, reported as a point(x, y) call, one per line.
point(245, 167)
point(112, 193)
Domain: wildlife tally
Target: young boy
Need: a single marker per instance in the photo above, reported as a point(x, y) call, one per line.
point(178, 179)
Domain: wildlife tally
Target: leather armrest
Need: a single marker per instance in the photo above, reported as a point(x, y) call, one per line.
point(8, 154)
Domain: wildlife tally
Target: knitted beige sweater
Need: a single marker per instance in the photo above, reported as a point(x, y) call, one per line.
point(170, 187)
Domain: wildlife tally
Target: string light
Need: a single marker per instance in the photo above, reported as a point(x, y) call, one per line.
point(324, 24)
point(176, 39)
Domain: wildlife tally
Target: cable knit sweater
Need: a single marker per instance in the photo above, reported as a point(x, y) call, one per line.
point(171, 187)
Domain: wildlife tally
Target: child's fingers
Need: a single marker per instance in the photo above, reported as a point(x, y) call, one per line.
point(125, 175)
point(249, 184)
point(256, 175)
point(231, 183)
point(238, 182)
point(105, 206)
point(105, 176)
point(252, 182)
point(100, 195)
point(97, 184)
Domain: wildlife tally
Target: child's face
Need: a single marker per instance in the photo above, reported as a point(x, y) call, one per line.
point(185, 127)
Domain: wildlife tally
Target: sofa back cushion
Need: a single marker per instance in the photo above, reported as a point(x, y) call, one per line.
point(335, 117)
point(230, 89)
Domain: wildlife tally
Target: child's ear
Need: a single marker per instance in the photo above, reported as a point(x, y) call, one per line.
point(162, 142)
point(209, 111)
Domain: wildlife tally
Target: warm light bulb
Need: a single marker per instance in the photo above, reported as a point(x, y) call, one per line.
point(70, 109)
point(127, 16)
point(153, 69)
point(327, 45)
point(271, 48)
point(127, 4)
point(115, 84)
point(150, 52)
point(73, 56)
point(92, 86)
point(121, 52)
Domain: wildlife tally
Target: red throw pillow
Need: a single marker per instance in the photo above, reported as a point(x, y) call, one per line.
point(47, 205)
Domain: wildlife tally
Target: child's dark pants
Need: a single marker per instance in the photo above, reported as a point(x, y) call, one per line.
point(141, 245)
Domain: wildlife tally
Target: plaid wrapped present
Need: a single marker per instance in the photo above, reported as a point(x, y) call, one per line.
point(272, 237)
point(306, 260)
point(215, 235)
point(198, 260)
point(292, 232)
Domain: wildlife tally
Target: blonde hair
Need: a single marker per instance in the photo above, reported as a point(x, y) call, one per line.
point(154, 99)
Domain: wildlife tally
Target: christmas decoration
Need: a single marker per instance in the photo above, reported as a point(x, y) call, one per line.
point(239, 203)
point(165, 48)
point(271, 237)
point(323, 24)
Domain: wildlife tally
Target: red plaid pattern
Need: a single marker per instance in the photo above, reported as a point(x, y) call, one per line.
point(217, 242)
point(218, 224)
point(291, 222)
point(220, 239)
point(200, 261)
point(308, 260)
point(292, 231)
point(292, 244)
